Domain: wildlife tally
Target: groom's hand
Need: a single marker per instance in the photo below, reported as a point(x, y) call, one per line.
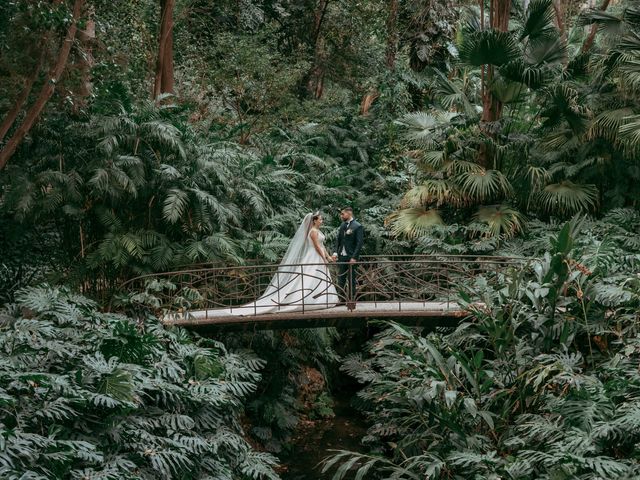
point(334, 257)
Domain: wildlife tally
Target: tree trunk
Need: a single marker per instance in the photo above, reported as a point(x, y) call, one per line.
point(499, 13)
point(499, 20)
point(85, 63)
point(392, 35)
point(588, 43)
point(315, 82)
point(164, 82)
point(560, 19)
point(561, 16)
point(47, 89)
point(367, 101)
point(8, 121)
point(483, 68)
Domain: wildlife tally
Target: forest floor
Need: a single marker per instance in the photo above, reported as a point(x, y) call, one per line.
point(315, 440)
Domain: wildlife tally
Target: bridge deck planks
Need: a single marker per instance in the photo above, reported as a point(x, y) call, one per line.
point(418, 313)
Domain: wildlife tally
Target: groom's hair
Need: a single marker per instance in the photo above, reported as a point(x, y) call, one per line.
point(347, 209)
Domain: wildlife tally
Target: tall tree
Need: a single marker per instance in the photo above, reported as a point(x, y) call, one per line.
point(47, 88)
point(315, 80)
point(12, 114)
point(392, 34)
point(588, 43)
point(164, 80)
point(499, 12)
point(560, 8)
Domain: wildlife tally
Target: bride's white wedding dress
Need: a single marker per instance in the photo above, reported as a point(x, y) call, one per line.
point(302, 282)
point(305, 286)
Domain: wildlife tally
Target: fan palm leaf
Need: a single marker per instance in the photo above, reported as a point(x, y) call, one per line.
point(630, 131)
point(537, 177)
point(547, 52)
point(432, 159)
point(631, 16)
point(531, 75)
point(413, 222)
point(457, 166)
point(539, 22)
point(570, 170)
point(629, 44)
point(483, 185)
point(608, 22)
point(488, 47)
point(568, 198)
point(423, 128)
point(432, 191)
point(507, 91)
point(629, 74)
point(608, 123)
point(502, 220)
point(451, 95)
point(564, 104)
point(561, 139)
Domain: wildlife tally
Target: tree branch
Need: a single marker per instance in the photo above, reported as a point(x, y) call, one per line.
point(47, 89)
point(588, 43)
point(24, 95)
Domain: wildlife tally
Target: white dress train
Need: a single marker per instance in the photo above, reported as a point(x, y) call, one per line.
point(302, 282)
point(293, 288)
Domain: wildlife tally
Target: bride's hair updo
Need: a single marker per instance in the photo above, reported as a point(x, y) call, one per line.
point(316, 216)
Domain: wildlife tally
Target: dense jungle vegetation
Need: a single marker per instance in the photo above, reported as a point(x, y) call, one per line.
point(144, 136)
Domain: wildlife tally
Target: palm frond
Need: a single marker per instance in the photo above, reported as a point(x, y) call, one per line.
point(502, 220)
point(564, 104)
point(423, 128)
point(507, 91)
point(539, 21)
point(432, 191)
point(483, 185)
point(413, 222)
point(547, 52)
point(488, 47)
point(452, 96)
point(630, 130)
point(608, 124)
point(609, 22)
point(175, 205)
point(567, 198)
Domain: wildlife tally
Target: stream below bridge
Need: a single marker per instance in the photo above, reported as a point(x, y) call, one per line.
point(342, 432)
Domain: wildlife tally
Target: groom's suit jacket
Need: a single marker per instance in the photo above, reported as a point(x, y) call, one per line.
point(351, 237)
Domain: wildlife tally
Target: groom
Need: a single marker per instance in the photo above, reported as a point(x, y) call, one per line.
point(347, 251)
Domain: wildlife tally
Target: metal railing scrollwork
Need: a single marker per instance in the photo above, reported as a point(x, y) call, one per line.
point(392, 282)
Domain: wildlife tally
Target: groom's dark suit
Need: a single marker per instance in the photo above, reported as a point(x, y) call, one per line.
point(348, 246)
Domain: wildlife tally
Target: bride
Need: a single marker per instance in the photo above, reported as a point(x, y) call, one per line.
point(302, 281)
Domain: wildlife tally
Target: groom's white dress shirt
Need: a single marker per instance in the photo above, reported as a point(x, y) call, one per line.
point(344, 251)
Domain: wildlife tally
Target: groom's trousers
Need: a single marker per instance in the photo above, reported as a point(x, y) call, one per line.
point(347, 279)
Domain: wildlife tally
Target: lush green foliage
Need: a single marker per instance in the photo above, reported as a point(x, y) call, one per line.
point(86, 394)
point(564, 142)
point(286, 392)
point(142, 191)
point(540, 382)
point(281, 107)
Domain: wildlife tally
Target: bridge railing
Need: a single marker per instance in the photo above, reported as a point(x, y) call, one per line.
point(395, 281)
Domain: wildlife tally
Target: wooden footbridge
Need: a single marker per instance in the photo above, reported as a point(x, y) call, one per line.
point(415, 289)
